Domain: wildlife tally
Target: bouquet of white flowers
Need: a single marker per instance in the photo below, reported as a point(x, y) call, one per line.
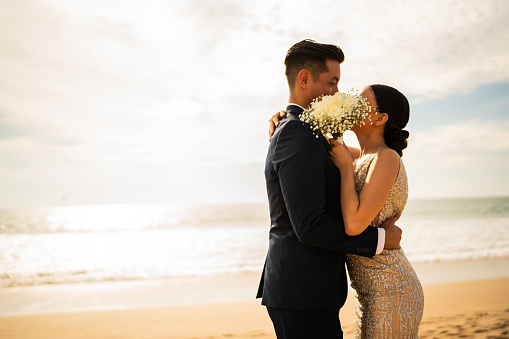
point(334, 114)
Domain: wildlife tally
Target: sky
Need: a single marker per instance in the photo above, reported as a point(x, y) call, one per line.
point(151, 101)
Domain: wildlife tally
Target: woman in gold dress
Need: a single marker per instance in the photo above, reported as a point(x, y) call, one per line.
point(374, 187)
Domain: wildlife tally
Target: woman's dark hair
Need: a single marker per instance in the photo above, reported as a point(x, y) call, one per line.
point(311, 55)
point(395, 104)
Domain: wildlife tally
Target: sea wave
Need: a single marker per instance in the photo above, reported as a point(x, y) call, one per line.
point(115, 243)
point(97, 218)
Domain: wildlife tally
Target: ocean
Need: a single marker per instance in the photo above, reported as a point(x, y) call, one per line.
point(104, 243)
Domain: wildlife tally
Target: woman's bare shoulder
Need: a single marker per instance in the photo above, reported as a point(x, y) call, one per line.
point(387, 159)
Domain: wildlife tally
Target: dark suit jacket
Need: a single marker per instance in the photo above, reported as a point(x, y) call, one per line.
point(305, 264)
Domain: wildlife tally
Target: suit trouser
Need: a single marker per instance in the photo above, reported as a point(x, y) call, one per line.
point(296, 324)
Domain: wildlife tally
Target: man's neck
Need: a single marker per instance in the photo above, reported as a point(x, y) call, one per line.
point(294, 104)
point(298, 100)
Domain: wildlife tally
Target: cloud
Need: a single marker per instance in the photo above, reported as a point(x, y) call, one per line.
point(472, 136)
point(465, 159)
point(429, 49)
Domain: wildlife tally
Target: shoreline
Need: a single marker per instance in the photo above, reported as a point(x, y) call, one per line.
point(122, 295)
point(469, 309)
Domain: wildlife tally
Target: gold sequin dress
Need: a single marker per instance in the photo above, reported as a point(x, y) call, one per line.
point(390, 299)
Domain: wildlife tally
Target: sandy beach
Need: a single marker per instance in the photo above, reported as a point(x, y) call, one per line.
point(475, 308)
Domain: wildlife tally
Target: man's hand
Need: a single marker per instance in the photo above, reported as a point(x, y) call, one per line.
point(274, 122)
point(392, 233)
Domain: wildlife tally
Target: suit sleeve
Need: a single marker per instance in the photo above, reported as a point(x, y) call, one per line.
point(299, 162)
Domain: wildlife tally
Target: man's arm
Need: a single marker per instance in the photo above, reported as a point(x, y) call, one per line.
point(300, 163)
point(392, 234)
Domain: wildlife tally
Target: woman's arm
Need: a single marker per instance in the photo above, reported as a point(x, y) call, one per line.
point(274, 122)
point(360, 209)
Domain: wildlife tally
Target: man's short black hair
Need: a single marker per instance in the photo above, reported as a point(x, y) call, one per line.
point(311, 55)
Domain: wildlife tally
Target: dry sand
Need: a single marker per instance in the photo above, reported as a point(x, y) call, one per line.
point(471, 309)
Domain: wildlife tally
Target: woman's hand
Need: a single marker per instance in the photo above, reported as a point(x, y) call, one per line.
point(274, 122)
point(340, 154)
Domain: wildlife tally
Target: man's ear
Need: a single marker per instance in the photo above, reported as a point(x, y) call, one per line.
point(303, 78)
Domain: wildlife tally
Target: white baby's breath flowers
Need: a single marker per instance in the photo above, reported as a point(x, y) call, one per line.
point(334, 114)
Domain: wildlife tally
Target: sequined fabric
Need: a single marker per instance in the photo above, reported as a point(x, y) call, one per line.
point(390, 299)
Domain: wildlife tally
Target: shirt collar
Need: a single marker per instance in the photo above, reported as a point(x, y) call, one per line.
point(291, 103)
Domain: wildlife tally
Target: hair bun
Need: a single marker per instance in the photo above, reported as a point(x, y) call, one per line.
point(396, 138)
point(403, 134)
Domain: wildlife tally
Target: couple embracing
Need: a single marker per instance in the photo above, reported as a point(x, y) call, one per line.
point(330, 205)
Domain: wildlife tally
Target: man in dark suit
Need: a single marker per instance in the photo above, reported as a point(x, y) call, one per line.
point(304, 280)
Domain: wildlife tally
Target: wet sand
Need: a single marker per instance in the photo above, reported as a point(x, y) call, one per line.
point(470, 309)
